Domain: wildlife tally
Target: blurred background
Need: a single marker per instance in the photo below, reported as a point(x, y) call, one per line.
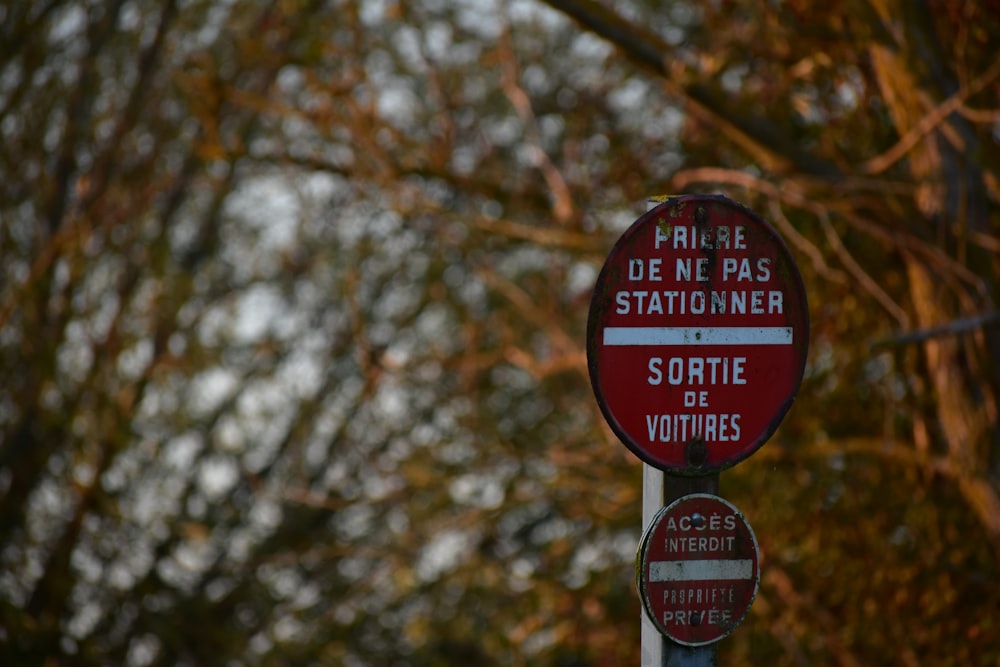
point(293, 299)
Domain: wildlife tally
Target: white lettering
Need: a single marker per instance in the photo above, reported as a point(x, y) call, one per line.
point(744, 273)
point(654, 268)
point(690, 238)
point(640, 297)
point(675, 370)
point(740, 269)
point(635, 269)
point(711, 421)
point(704, 370)
point(774, 302)
point(621, 298)
point(660, 235)
point(763, 269)
point(729, 267)
point(680, 237)
point(684, 545)
point(738, 370)
point(718, 302)
point(698, 302)
point(651, 422)
point(683, 268)
point(655, 305)
point(695, 399)
point(655, 374)
point(696, 367)
point(739, 303)
point(702, 269)
point(679, 428)
point(741, 238)
point(722, 238)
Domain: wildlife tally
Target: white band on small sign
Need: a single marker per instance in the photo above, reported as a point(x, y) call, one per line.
point(700, 570)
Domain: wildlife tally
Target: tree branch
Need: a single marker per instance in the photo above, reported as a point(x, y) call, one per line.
point(953, 328)
point(929, 122)
point(755, 134)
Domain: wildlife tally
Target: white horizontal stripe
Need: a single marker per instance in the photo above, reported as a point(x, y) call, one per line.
point(697, 335)
point(700, 570)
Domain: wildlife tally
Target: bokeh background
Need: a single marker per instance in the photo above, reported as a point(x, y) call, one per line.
point(293, 300)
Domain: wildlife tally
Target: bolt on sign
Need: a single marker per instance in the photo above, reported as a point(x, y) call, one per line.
point(697, 334)
point(697, 569)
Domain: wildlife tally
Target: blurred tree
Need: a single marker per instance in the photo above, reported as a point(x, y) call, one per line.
point(869, 136)
point(292, 305)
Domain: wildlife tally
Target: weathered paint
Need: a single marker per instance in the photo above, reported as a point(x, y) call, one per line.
point(701, 278)
point(698, 569)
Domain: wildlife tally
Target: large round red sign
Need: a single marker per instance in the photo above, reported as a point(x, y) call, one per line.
point(697, 334)
point(698, 569)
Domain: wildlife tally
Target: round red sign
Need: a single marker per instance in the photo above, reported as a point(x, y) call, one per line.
point(698, 569)
point(697, 334)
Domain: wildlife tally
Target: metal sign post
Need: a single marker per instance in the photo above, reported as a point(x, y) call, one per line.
point(659, 490)
point(696, 345)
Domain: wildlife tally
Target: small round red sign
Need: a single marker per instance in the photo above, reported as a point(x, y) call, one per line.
point(698, 569)
point(697, 334)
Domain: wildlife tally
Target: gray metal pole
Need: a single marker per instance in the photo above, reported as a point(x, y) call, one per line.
point(676, 655)
point(687, 656)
